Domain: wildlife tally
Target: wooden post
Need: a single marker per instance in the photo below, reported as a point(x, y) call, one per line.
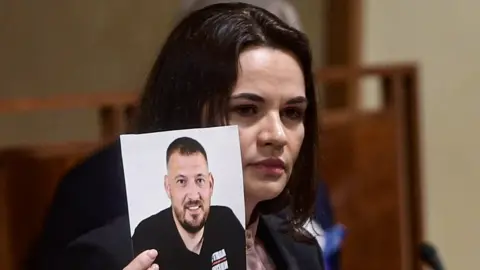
point(343, 47)
point(413, 119)
point(111, 123)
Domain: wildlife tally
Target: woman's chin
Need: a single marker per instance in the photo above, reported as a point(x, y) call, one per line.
point(263, 191)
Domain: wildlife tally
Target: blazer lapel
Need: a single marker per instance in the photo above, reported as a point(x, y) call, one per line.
point(269, 232)
point(295, 255)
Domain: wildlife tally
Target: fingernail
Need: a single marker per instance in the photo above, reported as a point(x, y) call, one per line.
point(155, 267)
point(152, 253)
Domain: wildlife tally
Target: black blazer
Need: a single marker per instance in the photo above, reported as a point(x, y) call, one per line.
point(87, 225)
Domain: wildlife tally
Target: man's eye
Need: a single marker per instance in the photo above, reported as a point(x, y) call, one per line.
point(200, 180)
point(181, 181)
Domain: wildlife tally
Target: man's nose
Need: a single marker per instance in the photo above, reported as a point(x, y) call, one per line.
point(193, 190)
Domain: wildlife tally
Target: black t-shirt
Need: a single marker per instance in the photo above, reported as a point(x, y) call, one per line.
point(223, 242)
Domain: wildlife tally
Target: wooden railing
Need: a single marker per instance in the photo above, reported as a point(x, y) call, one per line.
point(371, 162)
point(115, 109)
point(400, 105)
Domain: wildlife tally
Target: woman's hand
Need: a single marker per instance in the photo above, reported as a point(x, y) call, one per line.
point(144, 261)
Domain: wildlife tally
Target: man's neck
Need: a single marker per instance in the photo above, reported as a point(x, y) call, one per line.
point(192, 241)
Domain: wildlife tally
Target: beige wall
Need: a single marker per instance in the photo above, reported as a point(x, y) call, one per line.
point(52, 47)
point(444, 36)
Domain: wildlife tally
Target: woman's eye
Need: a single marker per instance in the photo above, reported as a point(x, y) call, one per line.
point(294, 113)
point(246, 110)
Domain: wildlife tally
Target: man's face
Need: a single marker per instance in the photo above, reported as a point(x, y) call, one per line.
point(189, 186)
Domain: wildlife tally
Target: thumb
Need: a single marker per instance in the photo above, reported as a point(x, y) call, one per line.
point(143, 261)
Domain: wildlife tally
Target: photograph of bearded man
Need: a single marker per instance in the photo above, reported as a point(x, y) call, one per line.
point(191, 233)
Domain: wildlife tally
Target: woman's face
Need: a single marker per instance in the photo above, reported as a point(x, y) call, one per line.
point(268, 104)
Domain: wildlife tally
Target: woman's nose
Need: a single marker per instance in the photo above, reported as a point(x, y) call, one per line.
point(273, 131)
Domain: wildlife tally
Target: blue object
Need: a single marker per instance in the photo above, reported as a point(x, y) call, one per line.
point(324, 216)
point(333, 241)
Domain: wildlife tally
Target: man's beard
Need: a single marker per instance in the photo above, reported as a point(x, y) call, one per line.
point(194, 225)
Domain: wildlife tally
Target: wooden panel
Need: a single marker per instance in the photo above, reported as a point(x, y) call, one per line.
point(378, 168)
point(372, 165)
point(5, 250)
point(29, 177)
point(337, 162)
point(364, 196)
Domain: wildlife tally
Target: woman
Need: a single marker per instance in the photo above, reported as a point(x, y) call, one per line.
point(242, 66)
point(233, 64)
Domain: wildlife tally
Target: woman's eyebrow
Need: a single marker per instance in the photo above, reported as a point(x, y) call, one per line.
point(248, 96)
point(297, 100)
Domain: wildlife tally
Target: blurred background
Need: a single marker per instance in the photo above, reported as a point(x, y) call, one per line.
point(421, 59)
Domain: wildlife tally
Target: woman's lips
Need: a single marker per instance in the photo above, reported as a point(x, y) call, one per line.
point(271, 166)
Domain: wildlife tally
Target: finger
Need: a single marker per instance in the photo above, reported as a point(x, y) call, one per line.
point(154, 267)
point(142, 261)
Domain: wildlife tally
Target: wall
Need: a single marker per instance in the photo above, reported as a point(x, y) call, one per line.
point(53, 47)
point(443, 36)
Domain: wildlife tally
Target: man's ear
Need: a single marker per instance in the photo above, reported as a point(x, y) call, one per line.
point(166, 185)
point(212, 181)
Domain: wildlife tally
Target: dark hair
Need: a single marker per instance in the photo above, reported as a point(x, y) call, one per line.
point(192, 79)
point(185, 146)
